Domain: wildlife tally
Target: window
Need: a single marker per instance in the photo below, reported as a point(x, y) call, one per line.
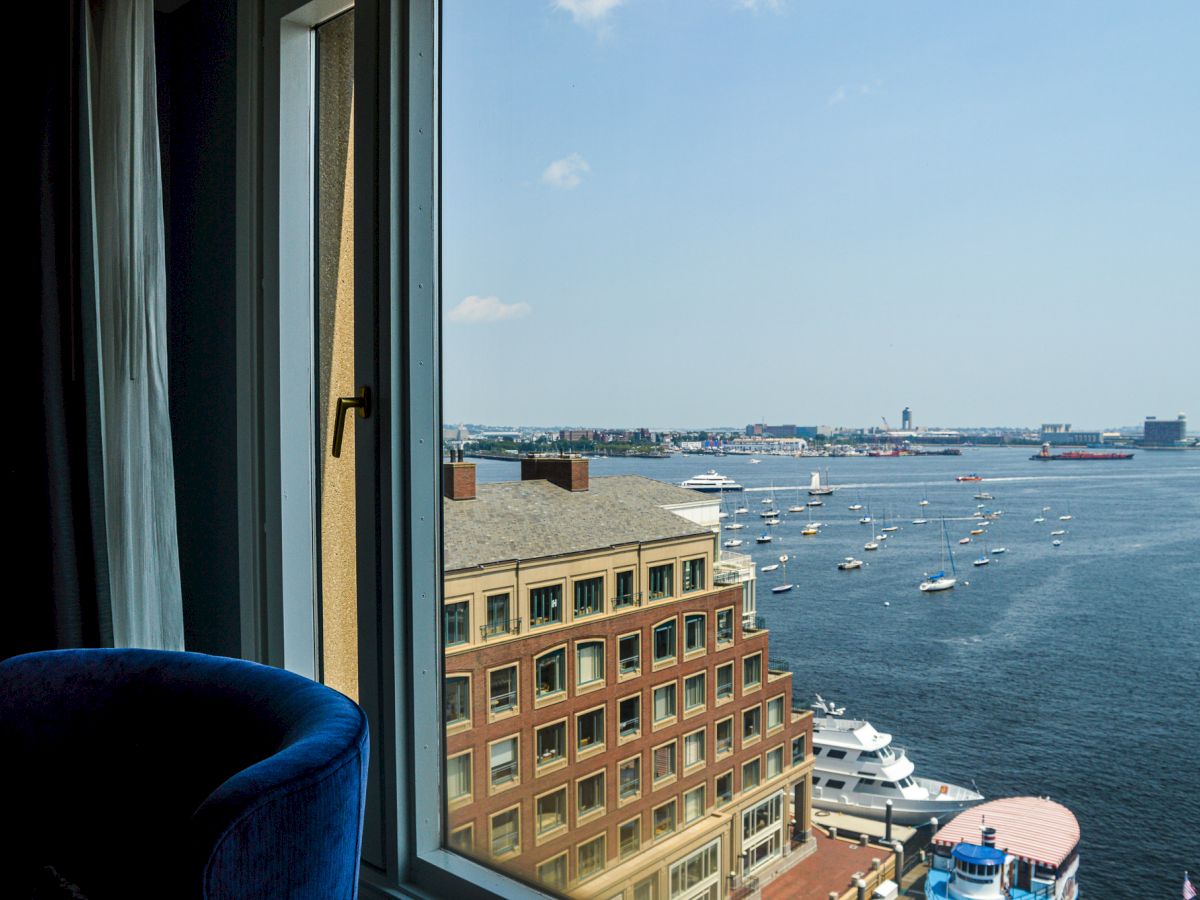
point(629, 777)
point(693, 691)
point(664, 820)
point(589, 597)
point(693, 575)
point(504, 760)
point(463, 839)
point(551, 672)
point(693, 804)
point(552, 810)
point(624, 590)
point(553, 873)
point(506, 832)
point(774, 713)
point(724, 788)
point(590, 729)
point(545, 605)
point(589, 658)
point(664, 702)
point(646, 889)
point(591, 794)
point(693, 632)
point(629, 654)
point(502, 689)
point(458, 777)
point(798, 749)
point(664, 761)
point(552, 743)
point(664, 641)
point(693, 748)
point(629, 837)
point(762, 831)
point(692, 872)
point(751, 775)
point(774, 762)
point(725, 681)
point(751, 723)
point(458, 623)
point(834, 785)
point(590, 860)
point(724, 626)
point(751, 671)
point(835, 754)
point(725, 736)
point(458, 699)
point(497, 616)
point(660, 581)
point(629, 715)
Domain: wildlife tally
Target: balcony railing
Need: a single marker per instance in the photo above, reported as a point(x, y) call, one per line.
point(777, 665)
point(504, 772)
point(630, 786)
point(755, 623)
point(502, 626)
point(625, 600)
point(630, 726)
point(725, 745)
point(658, 595)
point(629, 664)
point(503, 701)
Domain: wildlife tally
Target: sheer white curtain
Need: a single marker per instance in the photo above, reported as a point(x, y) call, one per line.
point(143, 547)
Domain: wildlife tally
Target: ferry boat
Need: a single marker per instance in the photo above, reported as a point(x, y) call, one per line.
point(1014, 848)
point(1046, 456)
point(711, 483)
point(857, 771)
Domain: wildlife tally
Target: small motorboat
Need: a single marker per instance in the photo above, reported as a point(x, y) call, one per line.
point(1056, 543)
point(771, 568)
point(1058, 531)
point(1066, 518)
point(865, 520)
point(816, 502)
point(734, 526)
point(809, 531)
point(984, 495)
point(890, 528)
point(922, 503)
point(850, 563)
point(770, 521)
point(965, 540)
point(854, 507)
point(782, 588)
point(733, 543)
point(740, 510)
point(1045, 509)
point(1039, 520)
point(976, 531)
point(767, 500)
point(763, 539)
point(996, 551)
point(881, 537)
point(920, 521)
point(971, 477)
point(796, 509)
point(870, 545)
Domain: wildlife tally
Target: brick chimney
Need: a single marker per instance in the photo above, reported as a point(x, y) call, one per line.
point(458, 478)
point(568, 472)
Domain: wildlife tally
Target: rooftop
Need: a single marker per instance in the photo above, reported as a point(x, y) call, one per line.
point(518, 520)
point(1034, 829)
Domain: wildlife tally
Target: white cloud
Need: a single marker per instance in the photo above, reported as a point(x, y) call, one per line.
point(482, 310)
point(588, 12)
point(843, 91)
point(566, 173)
point(837, 96)
point(756, 5)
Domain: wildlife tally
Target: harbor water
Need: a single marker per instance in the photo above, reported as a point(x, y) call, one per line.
point(1070, 671)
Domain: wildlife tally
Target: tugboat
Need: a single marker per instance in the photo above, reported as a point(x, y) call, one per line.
point(1045, 455)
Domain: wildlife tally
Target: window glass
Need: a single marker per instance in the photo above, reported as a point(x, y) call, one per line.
point(553, 873)
point(664, 641)
point(693, 804)
point(551, 811)
point(551, 672)
point(693, 748)
point(502, 689)
point(590, 662)
point(691, 872)
point(589, 597)
point(552, 742)
point(724, 787)
point(504, 761)
point(458, 776)
point(724, 626)
point(751, 775)
point(630, 777)
point(693, 633)
point(752, 671)
point(591, 794)
point(693, 691)
point(458, 623)
point(624, 593)
point(725, 736)
point(591, 729)
point(664, 702)
point(498, 617)
point(629, 835)
point(774, 762)
point(458, 699)
point(751, 723)
point(775, 712)
point(629, 653)
point(591, 858)
point(664, 820)
point(506, 831)
point(798, 750)
point(629, 715)
point(545, 605)
point(664, 761)
point(725, 681)
point(693, 575)
point(660, 581)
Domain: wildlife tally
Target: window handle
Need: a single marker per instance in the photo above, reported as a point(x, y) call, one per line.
point(344, 404)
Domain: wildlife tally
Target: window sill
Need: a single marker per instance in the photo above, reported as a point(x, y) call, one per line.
point(589, 815)
point(628, 738)
point(582, 753)
point(663, 663)
point(631, 798)
point(550, 700)
point(664, 781)
point(458, 727)
point(550, 766)
point(549, 834)
point(581, 689)
point(495, 789)
point(696, 711)
point(664, 723)
point(503, 714)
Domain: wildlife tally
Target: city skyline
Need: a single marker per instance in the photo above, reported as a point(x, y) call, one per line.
point(959, 209)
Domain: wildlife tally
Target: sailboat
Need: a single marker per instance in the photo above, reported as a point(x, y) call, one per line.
point(816, 488)
point(871, 544)
point(854, 507)
point(940, 581)
point(785, 585)
point(924, 501)
point(888, 529)
point(983, 559)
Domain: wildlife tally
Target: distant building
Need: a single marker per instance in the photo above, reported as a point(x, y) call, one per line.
point(812, 431)
point(1164, 432)
point(779, 431)
point(1062, 435)
point(906, 419)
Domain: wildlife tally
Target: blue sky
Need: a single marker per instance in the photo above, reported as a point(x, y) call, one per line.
point(690, 212)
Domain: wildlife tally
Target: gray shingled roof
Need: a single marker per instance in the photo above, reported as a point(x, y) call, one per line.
point(535, 519)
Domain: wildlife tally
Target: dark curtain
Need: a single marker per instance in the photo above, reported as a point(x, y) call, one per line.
point(56, 584)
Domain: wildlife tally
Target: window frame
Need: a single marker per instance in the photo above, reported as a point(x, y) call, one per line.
point(542, 765)
point(583, 815)
point(583, 751)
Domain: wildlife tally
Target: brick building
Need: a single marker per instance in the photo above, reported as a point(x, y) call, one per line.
point(615, 724)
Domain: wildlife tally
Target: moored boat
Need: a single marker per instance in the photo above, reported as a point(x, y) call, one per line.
point(711, 483)
point(850, 563)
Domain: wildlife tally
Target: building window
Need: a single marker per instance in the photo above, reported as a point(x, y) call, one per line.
point(629, 777)
point(589, 597)
point(545, 605)
point(693, 633)
point(751, 671)
point(497, 616)
point(458, 699)
point(693, 748)
point(798, 749)
point(590, 727)
point(646, 889)
point(693, 804)
point(751, 775)
point(463, 839)
point(695, 870)
point(725, 681)
point(664, 820)
point(629, 837)
point(458, 623)
point(664, 641)
point(774, 713)
point(589, 662)
point(762, 823)
point(629, 715)
point(629, 654)
point(661, 581)
point(751, 723)
point(774, 762)
point(553, 873)
point(664, 702)
point(725, 736)
point(724, 626)
point(552, 743)
point(664, 761)
point(458, 776)
point(624, 590)
point(504, 761)
point(551, 669)
point(552, 811)
point(693, 575)
point(724, 788)
point(591, 794)
point(693, 692)
point(590, 860)
point(506, 832)
point(502, 689)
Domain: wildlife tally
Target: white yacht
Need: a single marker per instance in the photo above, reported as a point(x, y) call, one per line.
point(850, 563)
point(711, 483)
point(735, 542)
point(857, 770)
point(854, 507)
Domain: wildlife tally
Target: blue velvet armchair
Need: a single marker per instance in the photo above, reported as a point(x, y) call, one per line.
point(139, 773)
